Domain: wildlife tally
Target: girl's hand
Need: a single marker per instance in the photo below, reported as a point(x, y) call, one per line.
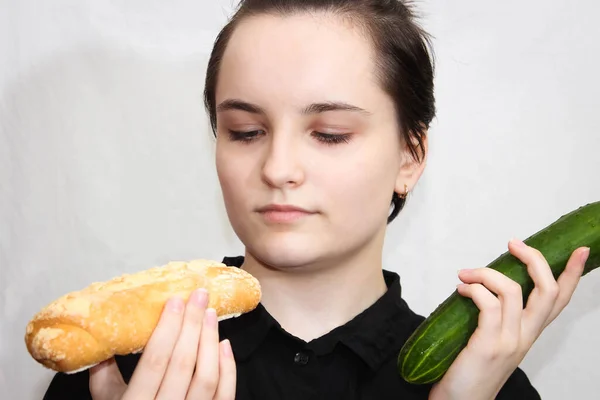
point(505, 330)
point(185, 338)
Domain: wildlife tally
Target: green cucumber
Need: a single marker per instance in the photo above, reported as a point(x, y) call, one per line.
point(437, 341)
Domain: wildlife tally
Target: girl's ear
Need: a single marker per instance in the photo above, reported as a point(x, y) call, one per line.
point(411, 168)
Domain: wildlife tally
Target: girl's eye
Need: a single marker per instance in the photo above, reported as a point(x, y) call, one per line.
point(331, 138)
point(241, 136)
point(327, 138)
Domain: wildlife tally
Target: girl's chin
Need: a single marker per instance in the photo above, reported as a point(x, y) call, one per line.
point(286, 259)
point(288, 252)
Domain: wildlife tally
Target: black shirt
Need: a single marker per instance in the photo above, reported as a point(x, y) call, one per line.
point(354, 361)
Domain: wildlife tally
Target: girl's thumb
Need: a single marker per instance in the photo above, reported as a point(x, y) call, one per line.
point(106, 381)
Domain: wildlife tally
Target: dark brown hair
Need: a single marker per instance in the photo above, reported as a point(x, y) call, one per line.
point(404, 65)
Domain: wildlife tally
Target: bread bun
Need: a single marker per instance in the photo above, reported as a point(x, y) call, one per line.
point(117, 317)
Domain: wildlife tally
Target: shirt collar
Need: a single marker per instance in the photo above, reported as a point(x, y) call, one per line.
point(374, 335)
point(379, 332)
point(247, 331)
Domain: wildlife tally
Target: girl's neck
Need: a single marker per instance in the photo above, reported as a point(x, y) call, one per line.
point(310, 301)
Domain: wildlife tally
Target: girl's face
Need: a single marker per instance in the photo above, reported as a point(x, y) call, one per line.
point(308, 149)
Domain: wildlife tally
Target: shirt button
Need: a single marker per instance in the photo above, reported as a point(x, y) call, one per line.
point(301, 358)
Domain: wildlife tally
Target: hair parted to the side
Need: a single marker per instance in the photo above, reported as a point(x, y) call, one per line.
point(404, 62)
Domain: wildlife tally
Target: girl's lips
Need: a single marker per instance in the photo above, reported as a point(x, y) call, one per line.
point(283, 213)
point(284, 216)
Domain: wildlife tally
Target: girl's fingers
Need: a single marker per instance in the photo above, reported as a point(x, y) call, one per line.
point(544, 294)
point(179, 373)
point(568, 281)
point(227, 373)
point(148, 374)
point(490, 315)
point(547, 299)
point(509, 292)
point(205, 380)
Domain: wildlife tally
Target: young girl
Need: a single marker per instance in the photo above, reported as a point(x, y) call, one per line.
point(320, 110)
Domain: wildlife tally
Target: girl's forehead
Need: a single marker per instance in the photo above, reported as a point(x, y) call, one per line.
point(297, 56)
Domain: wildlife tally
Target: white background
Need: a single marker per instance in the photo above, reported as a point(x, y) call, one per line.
point(106, 160)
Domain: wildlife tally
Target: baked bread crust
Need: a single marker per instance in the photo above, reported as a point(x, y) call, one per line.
point(117, 317)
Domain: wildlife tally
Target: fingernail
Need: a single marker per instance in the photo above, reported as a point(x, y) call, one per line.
point(200, 297)
point(518, 242)
point(175, 304)
point(211, 317)
point(585, 254)
point(227, 348)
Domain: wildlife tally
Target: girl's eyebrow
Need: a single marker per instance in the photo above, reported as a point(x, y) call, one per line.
point(236, 104)
point(333, 106)
point(314, 108)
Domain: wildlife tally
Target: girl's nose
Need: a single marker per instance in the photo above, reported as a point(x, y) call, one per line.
point(283, 164)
